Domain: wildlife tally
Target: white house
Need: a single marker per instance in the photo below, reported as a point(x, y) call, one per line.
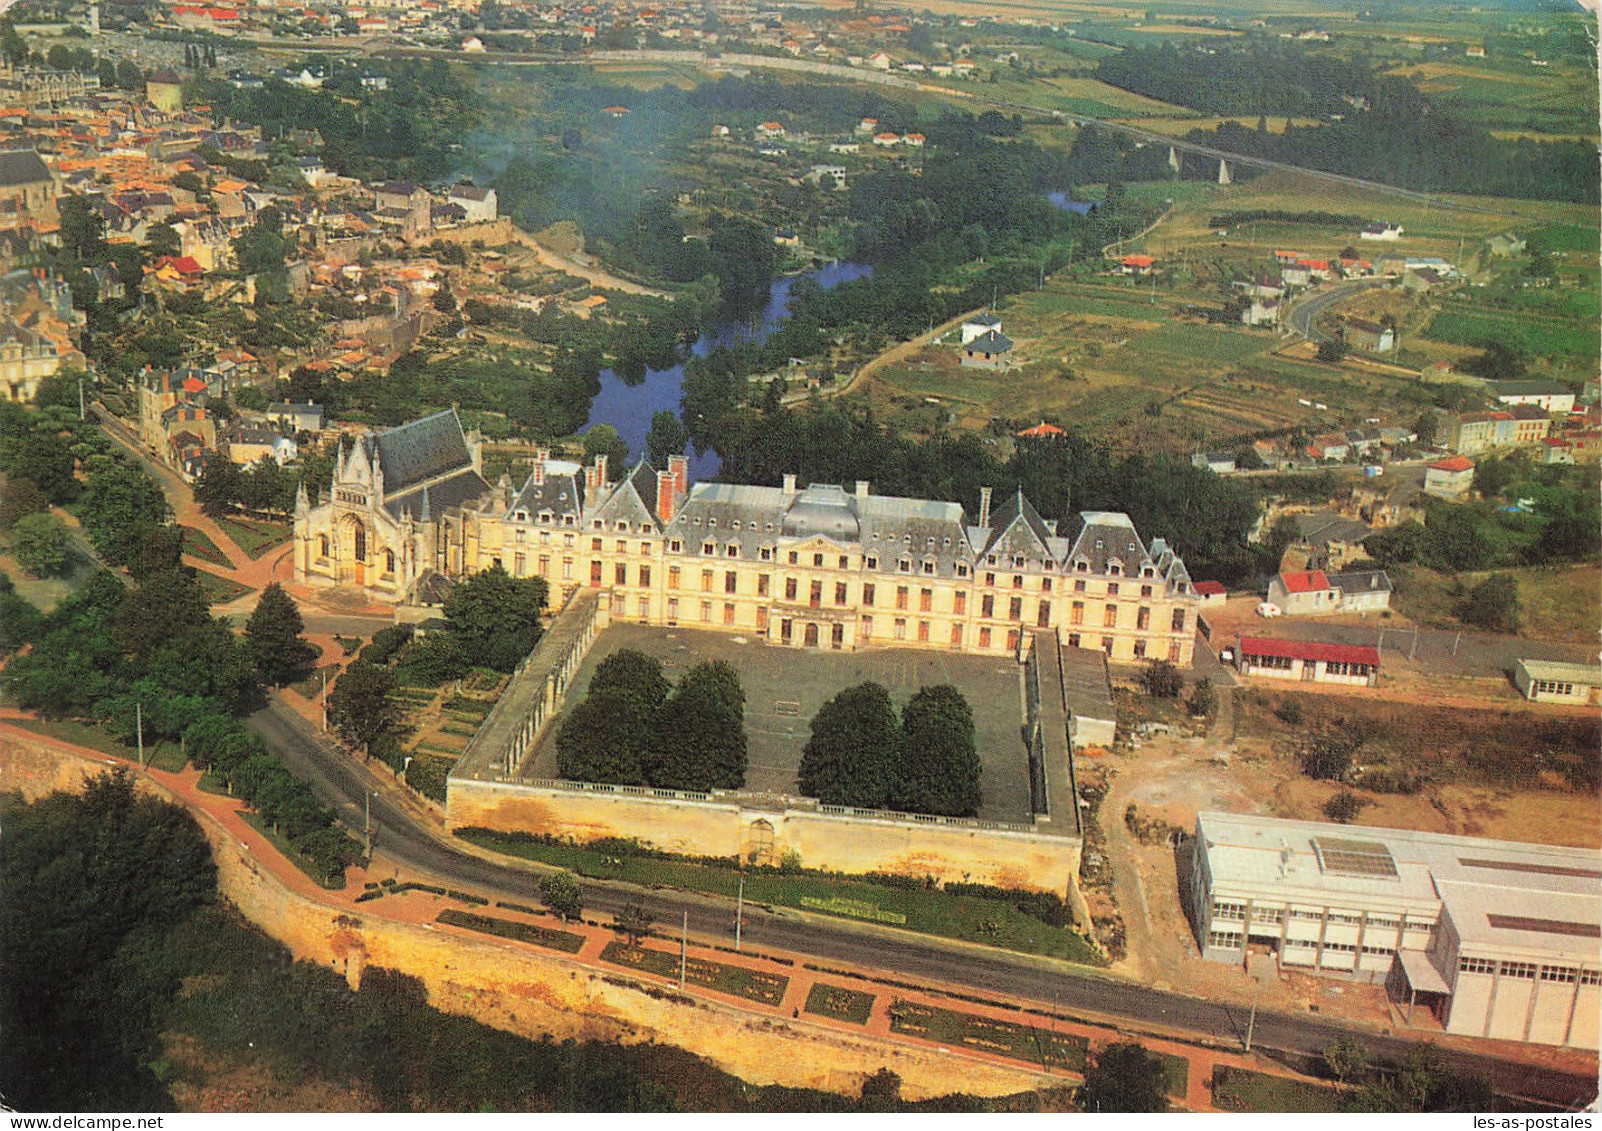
point(980, 325)
point(1548, 396)
point(1548, 681)
point(479, 203)
point(1385, 230)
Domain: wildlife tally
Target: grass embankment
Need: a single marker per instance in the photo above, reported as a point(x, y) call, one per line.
point(993, 922)
point(163, 755)
point(565, 941)
point(1555, 602)
point(293, 855)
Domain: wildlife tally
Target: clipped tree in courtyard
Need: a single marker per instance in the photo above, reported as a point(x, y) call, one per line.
point(855, 749)
point(608, 737)
point(701, 742)
point(495, 618)
point(940, 761)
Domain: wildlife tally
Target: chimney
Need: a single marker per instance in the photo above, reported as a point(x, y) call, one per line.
point(789, 484)
point(679, 468)
point(862, 488)
point(600, 472)
point(540, 456)
point(984, 506)
point(666, 496)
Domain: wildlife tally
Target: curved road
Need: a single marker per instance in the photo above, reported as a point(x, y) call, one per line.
point(1305, 311)
point(344, 781)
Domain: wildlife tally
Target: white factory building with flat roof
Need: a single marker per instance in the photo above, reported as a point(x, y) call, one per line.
point(1498, 939)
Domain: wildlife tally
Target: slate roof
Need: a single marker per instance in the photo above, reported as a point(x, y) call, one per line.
point(633, 500)
point(469, 192)
point(463, 487)
point(21, 167)
point(1361, 581)
point(562, 492)
point(420, 450)
point(1017, 528)
point(1104, 536)
point(992, 342)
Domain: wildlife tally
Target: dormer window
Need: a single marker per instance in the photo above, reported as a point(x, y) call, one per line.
point(928, 543)
point(522, 516)
point(735, 525)
point(1100, 545)
point(765, 553)
point(904, 565)
point(545, 518)
point(1115, 570)
point(962, 569)
point(1081, 566)
point(873, 559)
point(947, 543)
point(711, 524)
point(708, 548)
point(621, 525)
point(646, 528)
point(1147, 572)
point(768, 529)
point(1017, 561)
point(732, 550)
point(928, 568)
point(675, 546)
point(597, 525)
point(990, 559)
point(569, 520)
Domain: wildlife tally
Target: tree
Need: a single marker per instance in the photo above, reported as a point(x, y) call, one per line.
point(940, 765)
point(561, 895)
point(163, 240)
point(45, 458)
point(855, 750)
point(20, 497)
point(361, 704)
point(1493, 604)
point(609, 736)
point(1492, 476)
point(82, 227)
point(1281, 536)
point(667, 437)
point(632, 921)
point(1499, 362)
point(41, 545)
point(1344, 807)
point(495, 618)
point(1328, 756)
point(1423, 1083)
point(273, 633)
point(217, 489)
point(1395, 545)
point(1161, 680)
point(1332, 351)
point(1347, 1057)
point(881, 1092)
point(1427, 427)
point(1203, 699)
point(603, 440)
point(700, 743)
point(1125, 1078)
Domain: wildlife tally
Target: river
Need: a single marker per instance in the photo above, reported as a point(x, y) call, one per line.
point(629, 408)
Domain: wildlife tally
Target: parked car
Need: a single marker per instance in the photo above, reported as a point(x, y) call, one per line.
point(1226, 655)
point(1267, 609)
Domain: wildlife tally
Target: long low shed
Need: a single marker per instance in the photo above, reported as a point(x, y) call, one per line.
point(1308, 661)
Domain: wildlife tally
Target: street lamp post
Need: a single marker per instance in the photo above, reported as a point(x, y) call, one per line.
point(739, 911)
point(367, 819)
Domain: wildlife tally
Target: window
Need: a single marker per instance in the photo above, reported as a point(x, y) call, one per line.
point(840, 592)
point(762, 585)
point(923, 632)
point(728, 612)
point(706, 612)
point(1015, 609)
point(545, 565)
point(620, 574)
point(1223, 940)
point(1140, 649)
point(732, 550)
point(901, 628)
point(673, 577)
point(1043, 617)
point(785, 631)
point(1143, 618)
point(595, 545)
point(1076, 613)
point(962, 569)
point(389, 562)
point(1045, 585)
point(1178, 622)
point(1073, 640)
point(1225, 910)
point(622, 545)
point(1268, 915)
point(928, 569)
point(817, 560)
point(567, 569)
point(845, 561)
point(645, 577)
point(1017, 581)
point(1590, 977)
point(789, 588)
point(990, 579)
point(1173, 653)
point(765, 553)
point(322, 545)
point(904, 565)
point(959, 603)
point(984, 638)
point(987, 605)
point(1109, 616)
point(837, 636)
point(708, 549)
point(1557, 974)
point(872, 561)
point(901, 596)
point(1145, 590)
point(673, 610)
point(731, 581)
point(706, 581)
point(645, 608)
point(815, 597)
point(956, 636)
point(1079, 586)
point(1107, 645)
point(867, 594)
point(925, 600)
point(867, 628)
point(795, 558)
point(1518, 970)
point(675, 546)
point(1112, 589)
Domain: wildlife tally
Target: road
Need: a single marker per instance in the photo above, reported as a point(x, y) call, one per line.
point(1306, 310)
point(340, 779)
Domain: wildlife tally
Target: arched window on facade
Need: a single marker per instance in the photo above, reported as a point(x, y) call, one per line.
point(322, 545)
point(389, 561)
point(361, 543)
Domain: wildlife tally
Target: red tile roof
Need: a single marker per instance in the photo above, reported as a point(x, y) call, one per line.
point(1312, 581)
point(1042, 429)
point(1138, 261)
point(1210, 588)
point(1310, 650)
point(1456, 463)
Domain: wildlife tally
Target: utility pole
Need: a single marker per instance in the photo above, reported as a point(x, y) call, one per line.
point(367, 820)
point(739, 912)
point(1251, 1024)
point(684, 948)
point(325, 700)
point(139, 729)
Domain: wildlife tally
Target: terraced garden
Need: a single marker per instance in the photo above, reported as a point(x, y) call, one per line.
point(565, 941)
point(839, 1003)
point(753, 985)
point(1004, 1038)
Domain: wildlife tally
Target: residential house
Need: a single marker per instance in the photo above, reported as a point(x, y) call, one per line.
point(478, 204)
point(1333, 538)
point(1314, 592)
point(1261, 312)
point(27, 186)
point(1472, 432)
point(832, 175)
point(1550, 396)
point(1555, 449)
point(1374, 337)
point(1381, 230)
point(1137, 265)
point(1212, 593)
point(988, 351)
point(164, 90)
point(980, 325)
point(1220, 463)
point(248, 445)
point(296, 417)
point(1421, 280)
point(1449, 478)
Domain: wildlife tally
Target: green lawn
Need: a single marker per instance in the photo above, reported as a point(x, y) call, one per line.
point(839, 1003)
point(753, 985)
point(992, 922)
point(255, 536)
point(288, 852)
point(219, 590)
point(1239, 1089)
point(198, 545)
point(1004, 1038)
point(565, 941)
point(1176, 1074)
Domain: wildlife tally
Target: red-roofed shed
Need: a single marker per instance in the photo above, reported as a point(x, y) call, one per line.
point(1309, 660)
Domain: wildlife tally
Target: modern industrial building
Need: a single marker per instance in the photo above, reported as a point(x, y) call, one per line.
point(1497, 939)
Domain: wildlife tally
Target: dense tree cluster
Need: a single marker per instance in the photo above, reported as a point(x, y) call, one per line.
point(1124, 1078)
point(1251, 78)
point(861, 755)
point(634, 728)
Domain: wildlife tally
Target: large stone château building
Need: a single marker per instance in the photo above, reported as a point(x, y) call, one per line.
point(813, 567)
